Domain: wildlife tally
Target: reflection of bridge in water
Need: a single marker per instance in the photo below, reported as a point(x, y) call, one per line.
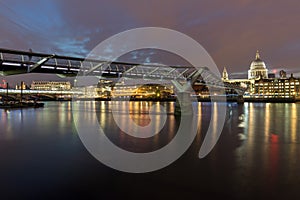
point(21, 62)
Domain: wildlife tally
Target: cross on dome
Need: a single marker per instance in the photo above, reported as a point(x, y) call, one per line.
point(257, 57)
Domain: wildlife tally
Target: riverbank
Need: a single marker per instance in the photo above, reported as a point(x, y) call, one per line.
point(258, 100)
point(272, 100)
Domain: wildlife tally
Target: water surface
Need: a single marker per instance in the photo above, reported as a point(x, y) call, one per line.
point(257, 155)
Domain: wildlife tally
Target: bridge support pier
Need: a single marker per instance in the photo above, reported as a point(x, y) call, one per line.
point(240, 99)
point(183, 105)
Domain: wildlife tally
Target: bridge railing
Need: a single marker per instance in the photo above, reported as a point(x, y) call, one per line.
point(16, 62)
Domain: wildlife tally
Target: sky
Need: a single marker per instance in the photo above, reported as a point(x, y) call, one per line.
point(231, 31)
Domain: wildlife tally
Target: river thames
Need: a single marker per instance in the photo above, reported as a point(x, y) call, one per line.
point(257, 155)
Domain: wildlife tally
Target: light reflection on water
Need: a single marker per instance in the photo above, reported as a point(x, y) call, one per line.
point(269, 157)
point(255, 123)
point(54, 118)
point(258, 150)
point(138, 113)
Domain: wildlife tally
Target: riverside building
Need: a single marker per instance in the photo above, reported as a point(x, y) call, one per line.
point(51, 85)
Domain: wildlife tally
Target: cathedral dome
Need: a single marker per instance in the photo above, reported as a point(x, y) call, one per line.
point(258, 68)
point(257, 63)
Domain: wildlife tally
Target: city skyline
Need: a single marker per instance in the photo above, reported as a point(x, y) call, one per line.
point(137, 99)
point(231, 32)
point(28, 78)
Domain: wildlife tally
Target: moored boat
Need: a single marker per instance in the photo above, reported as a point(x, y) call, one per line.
point(17, 104)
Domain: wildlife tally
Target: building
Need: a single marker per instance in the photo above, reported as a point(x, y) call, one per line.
point(277, 88)
point(260, 85)
point(245, 83)
point(22, 86)
point(258, 68)
point(51, 85)
point(146, 91)
point(282, 74)
point(225, 75)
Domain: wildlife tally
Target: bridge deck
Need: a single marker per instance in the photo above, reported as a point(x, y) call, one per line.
point(19, 62)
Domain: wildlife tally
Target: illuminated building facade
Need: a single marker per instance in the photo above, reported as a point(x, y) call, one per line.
point(277, 88)
point(245, 83)
point(261, 85)
point(147, 91)
point(51, 85)
point(225, 75)
point(258, 68)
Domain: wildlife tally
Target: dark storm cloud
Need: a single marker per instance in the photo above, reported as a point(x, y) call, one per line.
point(231, 31)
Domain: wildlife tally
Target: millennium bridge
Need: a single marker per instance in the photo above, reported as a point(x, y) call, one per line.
point(14, 62)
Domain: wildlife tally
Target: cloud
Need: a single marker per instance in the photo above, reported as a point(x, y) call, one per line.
point(231, 31)
point(72, 46)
